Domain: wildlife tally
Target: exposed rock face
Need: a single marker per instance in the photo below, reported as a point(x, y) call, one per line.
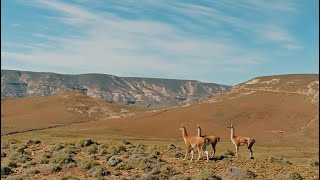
point(143, 92)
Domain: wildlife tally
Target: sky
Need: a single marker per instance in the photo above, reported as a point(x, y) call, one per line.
point(218, 41)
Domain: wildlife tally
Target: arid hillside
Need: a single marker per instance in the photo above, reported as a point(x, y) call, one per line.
point(264, 108)
point(20, 115)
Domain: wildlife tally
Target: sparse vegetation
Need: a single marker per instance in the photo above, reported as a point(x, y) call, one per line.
point(85, 142)
point(313, 163)
point(207, 175)
point(294, 176)
point(5, 170)
point(32, 142)
point(62, 158)
point(240, 173)
point(98, 171)
point(138, 162)
point(54, 168)
point(88, 163)
point(123, 166)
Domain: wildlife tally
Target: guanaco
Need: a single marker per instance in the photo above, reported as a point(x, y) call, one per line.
point(241, 141)
point(213, 140)
point(192, 142)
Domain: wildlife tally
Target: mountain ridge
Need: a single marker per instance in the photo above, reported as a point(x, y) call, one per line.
point(141, 92)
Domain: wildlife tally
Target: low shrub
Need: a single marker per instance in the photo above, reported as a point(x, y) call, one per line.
point(294, 176)
point(207, 175)
point(240, 173)
point(88, 163)
point(123, 166)
point(99, 171)
point(5, 170)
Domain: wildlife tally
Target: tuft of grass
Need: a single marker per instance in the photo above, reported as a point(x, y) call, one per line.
point(31, 142)
point(294, 176)
point(91, 150)
point(31, 172)
point(114, 160)
point(62, 159)
point(86, 142)
point(12, 164)
point(240, 173)
point(123, 166)
point(29, 163)
point(313, 163)
point(18, 157)
point(167, 170)
point(71, 165)
point(207, 175)
point(54, 168)
point(3, 154)
point(99, 171)
point(57, 147)
point(87, 163)
point(228, 153)
point(20, 148)
point(278, 160)
point(71, 149)
point(5, 170)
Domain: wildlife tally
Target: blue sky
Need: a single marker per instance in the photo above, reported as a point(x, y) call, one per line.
point(225, 42)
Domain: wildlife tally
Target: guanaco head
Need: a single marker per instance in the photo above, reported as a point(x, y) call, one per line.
point(231, 126)
point(182, 127)
point(198, 127)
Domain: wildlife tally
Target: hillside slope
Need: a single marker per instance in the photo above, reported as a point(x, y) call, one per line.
point(35, 113)
point(143, 92)
point(269, 111)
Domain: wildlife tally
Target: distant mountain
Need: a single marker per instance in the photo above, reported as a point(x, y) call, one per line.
point(142, 92)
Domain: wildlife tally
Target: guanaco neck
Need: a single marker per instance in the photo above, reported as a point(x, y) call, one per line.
point(232, 133)
point(184, 133)
point(199, 132)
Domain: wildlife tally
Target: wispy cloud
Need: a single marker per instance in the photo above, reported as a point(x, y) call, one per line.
point(178, 38)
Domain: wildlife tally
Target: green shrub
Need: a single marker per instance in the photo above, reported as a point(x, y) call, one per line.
point(31, 172)
point(57, 147)
point(91, 150)
point(3, 154)
point(207, 175)
point(30, 142)
point(54, 168)
point(123, 166)
point(86, 142)
point(18, 157)
point(29, 163)
point(12, 164)
point(20, 148)
point(87, 163)
point(71, 149)
point(167, 170)
point(228, 153)
point(99, 171)
point(294, 176)
point(5, 170)
point(114, 160)
point(62, 159)
point(240, 173)
point(313, 163)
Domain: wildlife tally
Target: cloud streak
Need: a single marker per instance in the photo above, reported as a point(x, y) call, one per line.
point(113, 43)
